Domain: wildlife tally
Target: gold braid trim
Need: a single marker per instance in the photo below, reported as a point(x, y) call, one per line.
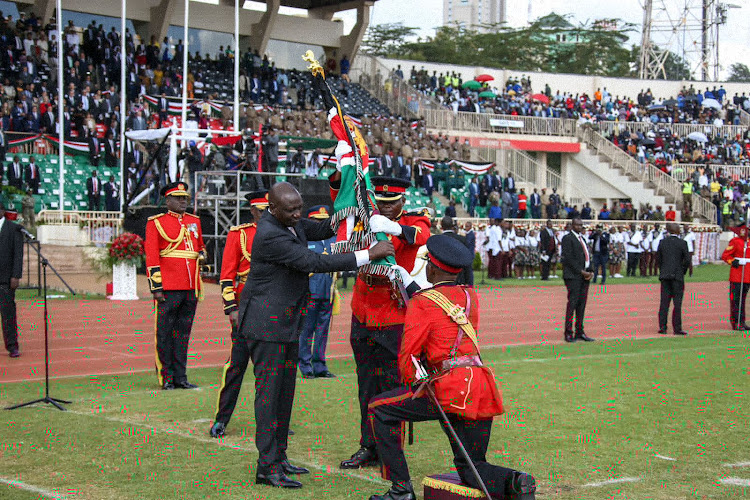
point(456, 313)
point(459, 489)
point(173, 243)
point(179, 254)
point(243, 245)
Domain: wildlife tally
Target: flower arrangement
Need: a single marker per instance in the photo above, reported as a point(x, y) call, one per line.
point(126, 248)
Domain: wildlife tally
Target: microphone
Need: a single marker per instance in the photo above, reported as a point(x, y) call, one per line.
point(26, 233)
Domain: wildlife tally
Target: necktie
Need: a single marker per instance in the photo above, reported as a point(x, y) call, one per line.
point(585, 250)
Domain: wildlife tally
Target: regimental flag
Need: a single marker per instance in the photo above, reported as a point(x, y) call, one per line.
point(356, 121)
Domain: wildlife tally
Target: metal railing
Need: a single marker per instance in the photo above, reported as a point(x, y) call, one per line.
point(744, 118)
point(681, 129)
point(100, 227)
point(661, 182)
point(501, 124)
point(400, 97)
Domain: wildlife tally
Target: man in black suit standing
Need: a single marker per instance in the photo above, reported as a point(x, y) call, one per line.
point(471, 244)
point(600, 240)
point(271, 318)
point(548, 248)
point(577, 274)
point(111, 195)
point(673, 260)
point(11, 254)
point(94, 151)
point(110, 150)
point(427, 183)
point(14, 173)
point(31, 175)
point(93, 190)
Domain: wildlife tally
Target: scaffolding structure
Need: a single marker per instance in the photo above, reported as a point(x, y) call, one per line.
point(686, 28)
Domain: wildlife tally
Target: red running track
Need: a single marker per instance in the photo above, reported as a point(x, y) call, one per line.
point(108, 337)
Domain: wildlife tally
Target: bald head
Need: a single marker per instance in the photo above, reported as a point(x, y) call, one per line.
point(285, 203)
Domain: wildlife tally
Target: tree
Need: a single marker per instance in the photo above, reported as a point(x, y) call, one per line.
point(739, 72)
point(386, 40)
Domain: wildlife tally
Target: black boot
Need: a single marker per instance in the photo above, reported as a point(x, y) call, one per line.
point(398, 491)
point(363, 457)
point(522, 487)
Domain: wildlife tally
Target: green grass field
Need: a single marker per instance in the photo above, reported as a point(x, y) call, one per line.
point(577, 415)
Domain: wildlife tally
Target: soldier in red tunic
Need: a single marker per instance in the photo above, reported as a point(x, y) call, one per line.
point(235, 266)
point(377, 315)
point(174, 246)
point(739, 278)
point(440, 333)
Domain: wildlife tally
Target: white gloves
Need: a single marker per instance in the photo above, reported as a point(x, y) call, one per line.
point(382, 224)
point(342, 149)
point(405, 276)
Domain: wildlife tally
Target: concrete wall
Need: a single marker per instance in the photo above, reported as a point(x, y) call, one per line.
point(575, 84)
point(221, 18)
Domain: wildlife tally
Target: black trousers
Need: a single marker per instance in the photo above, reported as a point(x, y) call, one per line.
point(94, 202)
point(231, 378)
point(8, 313)
point(671, 290)
point(389, 410)
point(275, 368)
point(376, 356)
point(633, 261)
point(545, 267)
point(737, 314)
point(578, 294)
point(174, 321)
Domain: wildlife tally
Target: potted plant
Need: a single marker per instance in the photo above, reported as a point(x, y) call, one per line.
point(124, 255)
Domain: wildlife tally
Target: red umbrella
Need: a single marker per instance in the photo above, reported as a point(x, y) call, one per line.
point(541, 98)
point(484, 78)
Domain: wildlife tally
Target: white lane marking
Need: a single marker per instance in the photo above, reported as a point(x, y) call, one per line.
point(666, 458)
point(738, 464)
point(735, 481)
point(612, 481)
point(222, 444)
point(34, 489)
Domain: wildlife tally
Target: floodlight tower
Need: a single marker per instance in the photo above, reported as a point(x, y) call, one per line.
point(686, 28)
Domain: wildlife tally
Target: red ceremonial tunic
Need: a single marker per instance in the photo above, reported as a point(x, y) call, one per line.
point(429, 334)
point(173, 244)
point(734, 251)
point(235, 264)
point(372, 304)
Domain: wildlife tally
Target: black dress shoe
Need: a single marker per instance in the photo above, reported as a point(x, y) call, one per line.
point(292, 469)
point(743, 326)
point(168, 386)
point(325, 374)
point(185, 385)
point(14, 353)
point(218, 430)
point(277, 480)
point(363, 457)
point(584, 337)
point(397, 492)
point(663, 331)
point(569, 337)
point(681, 332)
point(308, 375)
point(522, 486)
point(290, 432)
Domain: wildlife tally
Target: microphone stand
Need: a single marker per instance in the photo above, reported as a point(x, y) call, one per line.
point(47, 398)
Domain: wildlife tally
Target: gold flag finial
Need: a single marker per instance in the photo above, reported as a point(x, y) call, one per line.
point(314, 66)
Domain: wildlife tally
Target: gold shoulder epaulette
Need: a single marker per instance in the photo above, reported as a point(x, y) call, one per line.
point(154, 217)
point(242, 226)
point(423, 212)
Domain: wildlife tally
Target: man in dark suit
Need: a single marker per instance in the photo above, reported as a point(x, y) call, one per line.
point(11, 254)
point(548, 248)
point(14, 173)
point(271, 318)
point(111, 195)
point(535, 205)
point(427, 183)
point(94, 151)
point(110, 150)
point(31, 175)
point(577, 274)
point(673, 260)
point(471, 244)
point(600, 245)
point(93, 191)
